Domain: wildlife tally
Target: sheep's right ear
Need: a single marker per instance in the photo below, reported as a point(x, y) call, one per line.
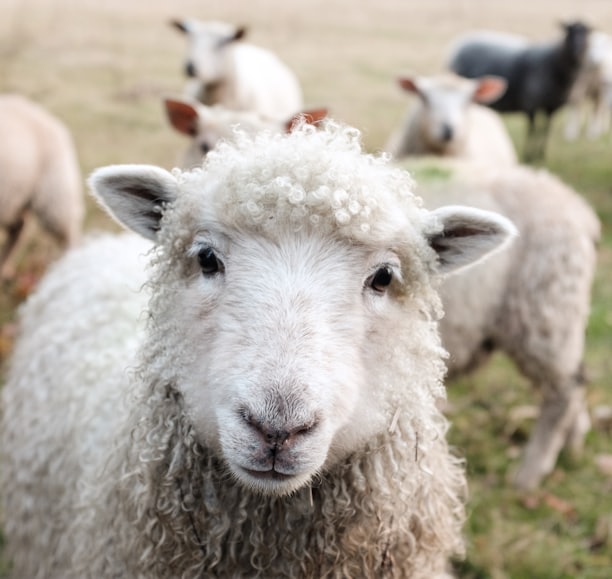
point(183, 116)
point(409, 84)
point(468, 235)
point(135, 195)
point(180, 25)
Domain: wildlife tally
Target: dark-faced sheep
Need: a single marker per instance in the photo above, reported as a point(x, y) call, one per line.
point(540, 76)
point(266, 405)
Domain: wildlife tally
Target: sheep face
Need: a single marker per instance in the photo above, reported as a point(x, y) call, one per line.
point(293, 297)
point(284, 336)
point(207, 42)
point(445, 100)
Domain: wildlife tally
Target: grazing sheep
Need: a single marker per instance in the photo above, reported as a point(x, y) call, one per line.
point(235, 74)
point(591, 97)
point(540, 77)
point(206, 126)
point(274, 413)
point(531, 302)
point(39, 173)
point(447, 121)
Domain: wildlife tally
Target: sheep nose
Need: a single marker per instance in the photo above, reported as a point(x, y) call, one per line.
point(190, 70)
point(277, 437)
point(447, 133)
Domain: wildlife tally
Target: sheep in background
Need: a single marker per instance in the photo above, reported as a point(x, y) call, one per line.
point(206, 126)
point(236, 74)
point(39, 173)
point(274, 414)
point(592, 91)
point(447, 121)
point(532, 302)
point(540, 76)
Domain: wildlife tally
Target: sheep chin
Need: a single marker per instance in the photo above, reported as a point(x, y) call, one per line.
point(271, 482)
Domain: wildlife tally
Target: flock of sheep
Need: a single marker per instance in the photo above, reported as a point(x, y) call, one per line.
point(249, 382)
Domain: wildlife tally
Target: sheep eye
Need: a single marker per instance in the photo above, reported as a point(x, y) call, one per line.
point(209, 262)
point(381, 279)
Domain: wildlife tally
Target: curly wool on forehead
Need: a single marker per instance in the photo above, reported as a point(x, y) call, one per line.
point(315, 178)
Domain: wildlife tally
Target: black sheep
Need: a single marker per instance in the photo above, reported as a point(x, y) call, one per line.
point(540, 76)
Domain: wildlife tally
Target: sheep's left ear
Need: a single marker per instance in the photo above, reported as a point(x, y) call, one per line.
point(308, 117)
point(135, 195)
point(489, 88)
point(468, 234)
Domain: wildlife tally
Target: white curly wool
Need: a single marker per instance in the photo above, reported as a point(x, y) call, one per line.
point(261, 400)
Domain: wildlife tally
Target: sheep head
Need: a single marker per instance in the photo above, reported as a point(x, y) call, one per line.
point(206, 42)
point(294, 295)
point(443, 114)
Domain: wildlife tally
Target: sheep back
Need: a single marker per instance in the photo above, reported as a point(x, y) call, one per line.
point(39, 169)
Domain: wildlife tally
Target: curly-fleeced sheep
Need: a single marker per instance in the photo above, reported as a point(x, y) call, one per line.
point(39, 173)
point(532, 302)
point(238, 75)
point(540, 76)
point(447, 120)
point(274, 414)
point(206, 126)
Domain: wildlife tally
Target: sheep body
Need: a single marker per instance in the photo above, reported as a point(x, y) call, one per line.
point(39, 172)
point(532, 302)
point(446, 121)
point(236, 74)
point(141, 450)
point(591, 95)
point(540, 76)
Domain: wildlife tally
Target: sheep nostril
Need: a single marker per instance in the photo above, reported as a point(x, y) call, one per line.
point(447, 133)
point(190, 70)
point(274, 435)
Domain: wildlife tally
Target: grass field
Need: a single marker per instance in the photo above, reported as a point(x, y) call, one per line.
point(103, 66)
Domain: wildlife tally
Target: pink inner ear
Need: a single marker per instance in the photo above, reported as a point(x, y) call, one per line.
point(310, 117)
point(408, 84)
point(182, 116)
point(489, 89)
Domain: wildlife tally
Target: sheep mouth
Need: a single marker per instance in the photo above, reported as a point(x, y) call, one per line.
point(268, 475)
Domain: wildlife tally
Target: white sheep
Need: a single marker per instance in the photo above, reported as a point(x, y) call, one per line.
point(532, 301)
point(590, 100)
point(447, 120)
point(274, 413)
point(206, 126)
point(236, 74)
point(39, 173)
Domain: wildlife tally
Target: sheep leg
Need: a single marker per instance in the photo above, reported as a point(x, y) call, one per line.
point(554, 427)
point(572, 125)
point(14, 231)
point(532, 143)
